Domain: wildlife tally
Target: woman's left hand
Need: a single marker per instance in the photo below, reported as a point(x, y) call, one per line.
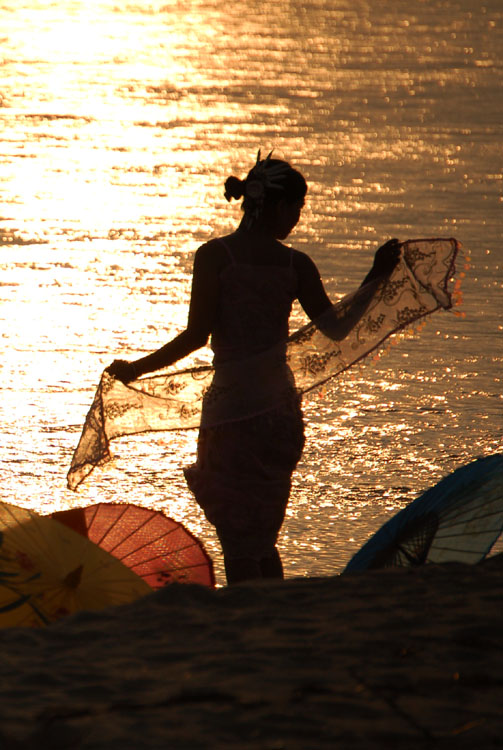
point(387, 257)
point(122, 370)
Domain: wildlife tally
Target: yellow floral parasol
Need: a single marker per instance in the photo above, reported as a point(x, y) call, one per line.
point(48, 571)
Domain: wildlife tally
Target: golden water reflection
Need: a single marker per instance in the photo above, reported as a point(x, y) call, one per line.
point(119, 127)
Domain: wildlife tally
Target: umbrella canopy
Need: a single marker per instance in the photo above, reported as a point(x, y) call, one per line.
point(154, 546)
point(457, 520)
point(48, 571)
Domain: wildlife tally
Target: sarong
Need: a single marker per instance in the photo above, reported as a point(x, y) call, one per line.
point(242, 478)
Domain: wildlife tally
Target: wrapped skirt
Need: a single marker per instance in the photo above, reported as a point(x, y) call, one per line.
point(242, 477)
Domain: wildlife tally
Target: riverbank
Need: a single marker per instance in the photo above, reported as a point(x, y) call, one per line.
point(387, 659)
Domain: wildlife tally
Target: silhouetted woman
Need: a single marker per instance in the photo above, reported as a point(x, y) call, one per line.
point(243, 287)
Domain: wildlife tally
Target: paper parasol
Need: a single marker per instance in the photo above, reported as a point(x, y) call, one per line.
point(154, 546)
point(48, 571)
point(457, 520)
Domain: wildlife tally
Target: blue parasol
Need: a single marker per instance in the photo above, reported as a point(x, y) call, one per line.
point(457, 520)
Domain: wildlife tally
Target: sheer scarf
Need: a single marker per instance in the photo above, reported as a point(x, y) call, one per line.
point(350, 330)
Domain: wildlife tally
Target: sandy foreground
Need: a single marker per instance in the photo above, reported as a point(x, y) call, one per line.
point(388, 659)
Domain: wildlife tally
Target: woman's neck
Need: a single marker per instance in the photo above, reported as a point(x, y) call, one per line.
point(256, 232)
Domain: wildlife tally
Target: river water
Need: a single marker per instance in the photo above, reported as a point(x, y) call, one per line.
point(120, 123)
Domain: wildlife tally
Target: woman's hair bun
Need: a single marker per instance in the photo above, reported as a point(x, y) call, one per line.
point(234, 188)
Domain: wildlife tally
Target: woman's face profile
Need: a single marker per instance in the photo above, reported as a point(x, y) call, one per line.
point(288, 215)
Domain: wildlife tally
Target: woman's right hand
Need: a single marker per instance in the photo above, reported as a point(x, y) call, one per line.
point(122, 370)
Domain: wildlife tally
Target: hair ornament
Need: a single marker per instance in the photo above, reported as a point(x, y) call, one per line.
point(269, 175)
point(264, 176)
point(254, 189)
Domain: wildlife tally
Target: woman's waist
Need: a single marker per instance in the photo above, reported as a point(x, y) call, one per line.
point(228, 356)
point(261, 369)
point(237, 346)
point(243, 388)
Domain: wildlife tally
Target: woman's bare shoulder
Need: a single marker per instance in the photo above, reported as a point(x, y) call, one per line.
point(211, 254)
point(304, 264)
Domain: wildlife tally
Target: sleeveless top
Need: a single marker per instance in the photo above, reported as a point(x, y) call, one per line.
point(249, 341)
point(254, 308)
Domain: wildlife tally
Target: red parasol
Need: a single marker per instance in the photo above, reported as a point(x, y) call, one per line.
point(152, 545)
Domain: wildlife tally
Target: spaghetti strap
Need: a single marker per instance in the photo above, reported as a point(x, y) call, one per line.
point(229, 252)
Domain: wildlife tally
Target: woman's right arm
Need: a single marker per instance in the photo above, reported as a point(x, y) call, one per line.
point(202, 311)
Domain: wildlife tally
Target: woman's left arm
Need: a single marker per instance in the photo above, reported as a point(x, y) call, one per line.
point(385, 260)
point(337, 321)
point(202, 310)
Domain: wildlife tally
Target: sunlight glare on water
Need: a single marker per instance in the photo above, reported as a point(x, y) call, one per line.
point(120, 123)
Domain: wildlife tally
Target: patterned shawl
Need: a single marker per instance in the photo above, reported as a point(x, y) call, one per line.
point(355, 326)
